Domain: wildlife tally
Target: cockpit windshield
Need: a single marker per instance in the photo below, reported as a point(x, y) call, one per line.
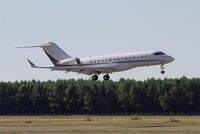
point(159, 53)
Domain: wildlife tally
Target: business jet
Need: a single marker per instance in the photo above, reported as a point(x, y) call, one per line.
point(107, 64)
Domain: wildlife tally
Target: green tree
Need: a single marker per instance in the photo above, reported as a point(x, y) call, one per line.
point(23, 99)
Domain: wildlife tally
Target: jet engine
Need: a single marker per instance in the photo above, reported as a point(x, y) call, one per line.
point(70, 61)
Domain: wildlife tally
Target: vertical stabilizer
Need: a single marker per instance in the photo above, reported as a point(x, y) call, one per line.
point(54, 53)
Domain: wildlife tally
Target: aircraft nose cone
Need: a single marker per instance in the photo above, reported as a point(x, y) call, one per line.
point(170, 59)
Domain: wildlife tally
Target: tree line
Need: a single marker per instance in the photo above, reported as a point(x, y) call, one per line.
point(152, 96)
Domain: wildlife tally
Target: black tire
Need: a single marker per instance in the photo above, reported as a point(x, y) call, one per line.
point(106, 77)
point(94, 77)
point(162, 72)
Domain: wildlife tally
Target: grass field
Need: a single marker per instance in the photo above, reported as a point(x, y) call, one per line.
point(101, 121)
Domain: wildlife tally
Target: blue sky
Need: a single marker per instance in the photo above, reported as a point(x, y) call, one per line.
point(96, 27)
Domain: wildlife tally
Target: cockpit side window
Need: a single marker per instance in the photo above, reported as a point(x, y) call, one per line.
point(159, 53)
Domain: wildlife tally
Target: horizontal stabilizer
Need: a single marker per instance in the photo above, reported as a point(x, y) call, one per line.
point(28, 46)
point(32, 64)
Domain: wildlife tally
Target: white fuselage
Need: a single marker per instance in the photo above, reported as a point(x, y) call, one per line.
point(113, 63)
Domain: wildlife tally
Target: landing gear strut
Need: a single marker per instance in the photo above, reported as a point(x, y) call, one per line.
point(106, 77)
point(162, 69)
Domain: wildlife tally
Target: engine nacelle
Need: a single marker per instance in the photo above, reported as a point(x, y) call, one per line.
point(70, 61)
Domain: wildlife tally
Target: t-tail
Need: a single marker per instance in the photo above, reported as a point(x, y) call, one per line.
point(54, 53)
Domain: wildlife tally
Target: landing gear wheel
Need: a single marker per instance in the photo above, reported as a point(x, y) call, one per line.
point(106, 77)
point(162, 69)
point(162, 72)
point(94, 77)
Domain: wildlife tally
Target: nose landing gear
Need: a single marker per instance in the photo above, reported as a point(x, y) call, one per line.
point(162, 72)
point(162, 69)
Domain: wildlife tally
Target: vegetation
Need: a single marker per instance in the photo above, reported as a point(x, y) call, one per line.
point(135, 117)
point(99, 124)
point(172, 96)
point(98, 121)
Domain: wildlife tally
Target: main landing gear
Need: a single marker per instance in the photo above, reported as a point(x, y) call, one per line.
point(105, 77)
point(162, 69)
point(95, 77)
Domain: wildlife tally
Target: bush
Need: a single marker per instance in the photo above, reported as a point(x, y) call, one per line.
point(88, 119)
point(135, 117)
point(174, 120)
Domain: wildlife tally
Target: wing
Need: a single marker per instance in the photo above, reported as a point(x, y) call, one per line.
point(89, 70)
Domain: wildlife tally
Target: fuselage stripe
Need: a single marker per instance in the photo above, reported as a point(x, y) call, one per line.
point(52, 59)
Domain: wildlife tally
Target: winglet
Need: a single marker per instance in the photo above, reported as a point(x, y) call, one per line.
point(31, 63)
